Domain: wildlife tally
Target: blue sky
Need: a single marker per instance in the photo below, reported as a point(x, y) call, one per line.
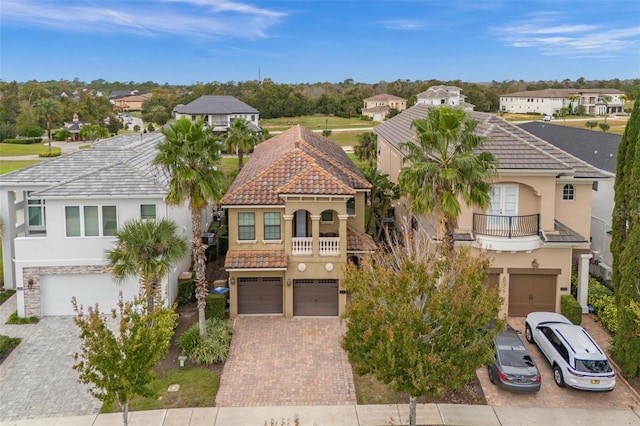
point(190, 41)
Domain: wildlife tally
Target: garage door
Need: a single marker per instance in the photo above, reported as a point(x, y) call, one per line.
point(315, 297)
point(531, 293)
point(259, 295)
point(56, 292)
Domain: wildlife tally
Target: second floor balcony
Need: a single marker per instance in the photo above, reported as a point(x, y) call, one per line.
point(327, 246)
point(506, 226)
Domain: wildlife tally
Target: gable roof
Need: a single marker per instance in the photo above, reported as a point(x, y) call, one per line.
point(513, 147)
point(297, 161)
point(594, 147)
point(439, 92)
point(385, 97)
point(116, 167)
point(221, 105)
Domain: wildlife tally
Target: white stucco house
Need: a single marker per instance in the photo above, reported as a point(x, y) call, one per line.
point(218, 112)
point(552, 101)
point(600, 150)
point(444, 95)
point(60, 217)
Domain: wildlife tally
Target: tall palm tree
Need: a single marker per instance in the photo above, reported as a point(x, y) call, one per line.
point(367, 149)
point(190, 154)
point(147, 249)
point(445, 166)
point(606, 99)
point(47, 109)
point(241, 138)
point(389, 192)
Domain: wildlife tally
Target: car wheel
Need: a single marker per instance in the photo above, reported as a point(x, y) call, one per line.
point(557, 376)
point(528, 334)
point(492, 377)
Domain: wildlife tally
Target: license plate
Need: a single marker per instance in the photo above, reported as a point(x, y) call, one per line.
point(595, 381)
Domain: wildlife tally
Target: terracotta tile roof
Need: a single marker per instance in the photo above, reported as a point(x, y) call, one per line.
point(385, 97)
point(297, 161)
point(381, 108)
point(255, 259)
point(359, 241)
point(513, 147)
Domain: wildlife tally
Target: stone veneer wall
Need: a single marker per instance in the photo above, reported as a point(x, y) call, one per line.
point(32, 296)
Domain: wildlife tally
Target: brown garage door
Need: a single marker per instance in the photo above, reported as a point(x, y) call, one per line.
point(315, 297)
point(259, 295)
point(531, 293)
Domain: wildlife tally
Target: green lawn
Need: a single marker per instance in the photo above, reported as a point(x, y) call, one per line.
point(617, 125)
point(198, 388)
point(347, 138)
point(11, 150)
point(315, 122)
point(10, 166)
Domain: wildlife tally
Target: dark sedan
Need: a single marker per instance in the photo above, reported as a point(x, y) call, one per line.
point(513, 368)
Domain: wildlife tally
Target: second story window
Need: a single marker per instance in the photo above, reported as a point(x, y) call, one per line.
point(568, 192)
point(351, 206)
point(90, 221)
point(148, 211)
point(327, 216)
point(36, 218)
point(246, 226)
point(272, 226)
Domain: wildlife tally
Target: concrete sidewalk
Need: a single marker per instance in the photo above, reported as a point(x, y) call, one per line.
point(350, 415)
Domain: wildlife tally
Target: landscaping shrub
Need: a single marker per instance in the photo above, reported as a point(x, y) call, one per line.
point(214, 348)
point(5, 295)
point(15, 319)
point(61, 135)
point(6, 343)
point(50, 154)
point(7, 131)
point(23, 141)
point(31, 131)
point(570, 308)
point(186, 292)
point(603, 302)
point(326, 133)
point(215, 304)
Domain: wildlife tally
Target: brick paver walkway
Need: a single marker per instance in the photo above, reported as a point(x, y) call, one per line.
point(275, 361)
point(552, 396)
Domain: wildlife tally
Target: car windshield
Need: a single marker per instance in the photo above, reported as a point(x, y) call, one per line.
point(588, 366)
point(510, 357)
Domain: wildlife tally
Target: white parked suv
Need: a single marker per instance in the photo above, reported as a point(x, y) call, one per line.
point(576, 359)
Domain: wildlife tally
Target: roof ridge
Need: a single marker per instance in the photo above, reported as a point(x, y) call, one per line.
point(313, 166)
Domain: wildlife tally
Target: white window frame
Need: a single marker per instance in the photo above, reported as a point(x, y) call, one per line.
point(81, 210)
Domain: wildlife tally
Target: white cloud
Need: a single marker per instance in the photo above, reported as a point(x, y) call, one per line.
point(203, 19)
point(402, 24)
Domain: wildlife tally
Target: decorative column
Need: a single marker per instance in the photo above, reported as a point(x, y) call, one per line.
point(315, 233)
point(583, 281)
point(288, 232)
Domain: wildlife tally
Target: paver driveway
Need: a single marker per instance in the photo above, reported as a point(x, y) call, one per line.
point(276, 361)
point(37, 379)
point(552, 396)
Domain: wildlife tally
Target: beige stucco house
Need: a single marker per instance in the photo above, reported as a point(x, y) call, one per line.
point(296, 217)
point(539, 220)
point(377, 107)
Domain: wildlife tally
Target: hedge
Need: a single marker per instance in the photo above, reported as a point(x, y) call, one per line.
point(570, 308)
point(50, 154)
point(186, 292)
point(23, 141)
point(603, 302)
point(215, 306)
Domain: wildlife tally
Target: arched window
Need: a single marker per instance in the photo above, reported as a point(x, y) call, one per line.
point(568, 192)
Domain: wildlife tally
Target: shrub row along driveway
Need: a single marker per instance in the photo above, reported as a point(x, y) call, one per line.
point(37, 379)
point(552, 396)
point(275, 361)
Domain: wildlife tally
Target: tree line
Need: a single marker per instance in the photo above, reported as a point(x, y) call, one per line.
point(273, 100)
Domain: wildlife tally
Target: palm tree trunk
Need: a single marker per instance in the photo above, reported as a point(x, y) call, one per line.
point(240, 159)
point(449, 238)
point(200, 268)
point(49, 133)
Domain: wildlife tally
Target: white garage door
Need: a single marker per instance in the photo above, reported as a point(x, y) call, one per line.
point(57, 290)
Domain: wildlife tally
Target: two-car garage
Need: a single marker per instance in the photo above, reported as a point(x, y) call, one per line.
point(311, 297)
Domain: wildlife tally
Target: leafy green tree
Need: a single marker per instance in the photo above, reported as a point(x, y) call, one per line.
point(417, 320)
point(114, 125)
point(191, 156)
point(146, 249)
point(48, 109)
point(241, 138)
point(93, 132)
point(10, 102)
point(367, 148)
point(445, 167)
point(591, 124)
point(7, 131)
point(581, 110)
point(31, 131)
point(118, 365)
point(604, 127)
point(572, 101)
point(625, 230)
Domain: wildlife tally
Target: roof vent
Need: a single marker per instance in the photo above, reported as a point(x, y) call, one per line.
point(595, 152)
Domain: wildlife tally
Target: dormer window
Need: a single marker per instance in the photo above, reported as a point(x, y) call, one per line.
point(568, 192)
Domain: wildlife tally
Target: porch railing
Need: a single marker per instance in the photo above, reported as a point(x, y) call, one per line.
point(329, 246)
point(301, 246)
point(506, 226)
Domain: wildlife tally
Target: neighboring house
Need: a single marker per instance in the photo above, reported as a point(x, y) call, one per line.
point(377, 107)
point(117, 94)
point(540, 214)
point(218, 112)
point(296, 215)
point(60, 218)
point(553, 101)
point(74, 127)
point(130, 103)
point(599, 149)
point(444, 95)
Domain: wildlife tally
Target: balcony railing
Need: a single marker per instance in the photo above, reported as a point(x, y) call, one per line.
point(506, 226)
point(303, 246)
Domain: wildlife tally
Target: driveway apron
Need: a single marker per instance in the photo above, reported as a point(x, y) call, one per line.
point(275, 361)
point(37, 379)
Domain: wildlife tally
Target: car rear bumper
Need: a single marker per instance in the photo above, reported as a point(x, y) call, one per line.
point(519, 387)
point(585, 383)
